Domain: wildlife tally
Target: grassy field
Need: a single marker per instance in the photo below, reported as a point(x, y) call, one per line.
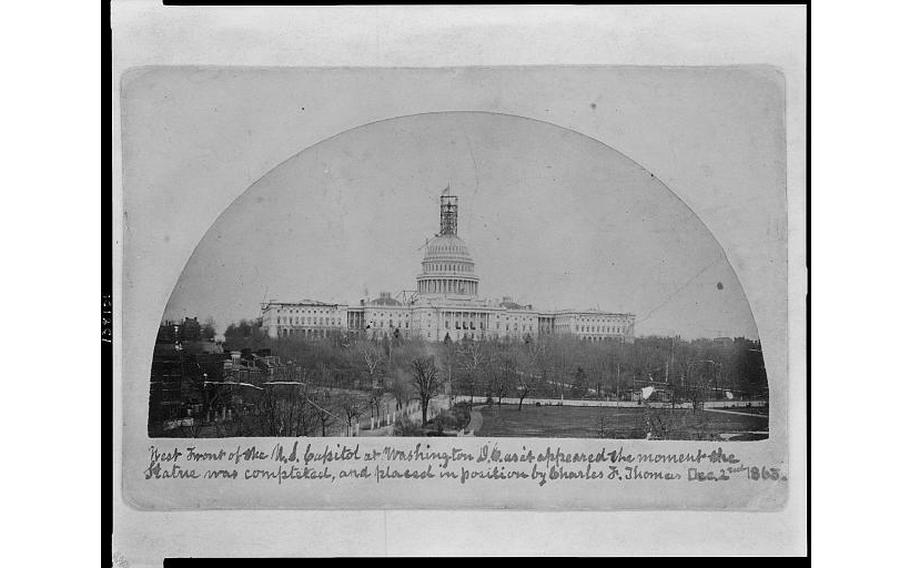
point(618, 423)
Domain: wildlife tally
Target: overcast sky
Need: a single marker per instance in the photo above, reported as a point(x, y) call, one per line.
point(553, 218)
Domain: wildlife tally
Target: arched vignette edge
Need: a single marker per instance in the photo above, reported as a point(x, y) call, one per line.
point(475, 112)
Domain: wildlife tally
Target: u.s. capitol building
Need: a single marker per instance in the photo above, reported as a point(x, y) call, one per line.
point(445, 304)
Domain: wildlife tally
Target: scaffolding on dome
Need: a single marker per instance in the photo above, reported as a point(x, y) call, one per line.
point(448, 212)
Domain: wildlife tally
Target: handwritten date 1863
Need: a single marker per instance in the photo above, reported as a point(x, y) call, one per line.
point(753, 473)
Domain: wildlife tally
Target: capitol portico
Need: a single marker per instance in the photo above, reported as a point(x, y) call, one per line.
point(445, 304)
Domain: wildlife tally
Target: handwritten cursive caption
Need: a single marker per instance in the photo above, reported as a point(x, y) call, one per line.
point(297, 461)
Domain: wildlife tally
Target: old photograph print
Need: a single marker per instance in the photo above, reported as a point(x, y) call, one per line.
point(459, 274)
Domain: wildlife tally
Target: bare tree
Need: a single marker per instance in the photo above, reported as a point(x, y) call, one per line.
point(472, 357)
point(698, 393)
point(601, 368)
point(425, 378)
point(351, 408)
point(526, 384)
point(531, 370)
point(325, 411)
point(502, 376)
point(580, 383)
point(400, 388)
point(448, 356)
point(283, 410)
point(374, 360)
point(375, 402)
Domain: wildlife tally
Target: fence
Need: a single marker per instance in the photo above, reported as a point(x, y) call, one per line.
point(610, 403)
point(389, 414)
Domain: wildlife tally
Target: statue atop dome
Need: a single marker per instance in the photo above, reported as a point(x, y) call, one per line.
point(448, 212)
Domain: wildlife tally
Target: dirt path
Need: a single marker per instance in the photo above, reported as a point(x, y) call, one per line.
point(734, 412)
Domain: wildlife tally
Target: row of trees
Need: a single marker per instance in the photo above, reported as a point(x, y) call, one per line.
point(338, 380)
point(330, 384)
point(403, 369)
point(280, 410)
point(565, 367)
point(550, 367)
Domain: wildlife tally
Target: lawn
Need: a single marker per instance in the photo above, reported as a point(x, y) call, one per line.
point(618, 423)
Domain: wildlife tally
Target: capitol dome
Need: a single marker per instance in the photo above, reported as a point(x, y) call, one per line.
point(447, 247)
point(447, 267)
